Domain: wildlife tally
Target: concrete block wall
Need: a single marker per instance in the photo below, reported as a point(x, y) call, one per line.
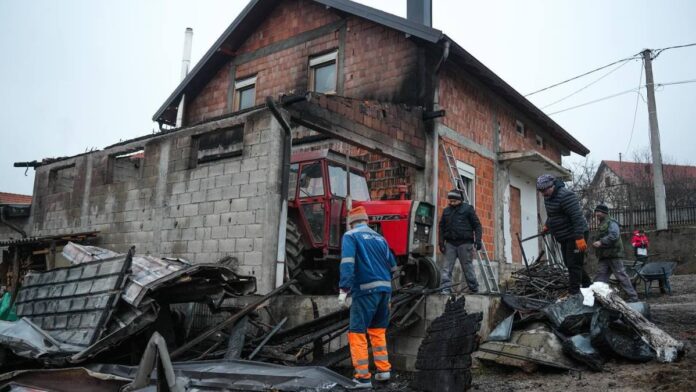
point(227, 207)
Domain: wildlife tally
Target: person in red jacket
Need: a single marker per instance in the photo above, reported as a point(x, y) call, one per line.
point(640, 244)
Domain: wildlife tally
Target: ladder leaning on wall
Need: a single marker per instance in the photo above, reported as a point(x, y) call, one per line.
point(484, 261)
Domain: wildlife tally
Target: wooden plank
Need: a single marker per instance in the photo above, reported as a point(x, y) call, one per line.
point(344, 129)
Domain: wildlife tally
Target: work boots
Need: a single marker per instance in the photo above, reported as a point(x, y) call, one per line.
point(382, 376)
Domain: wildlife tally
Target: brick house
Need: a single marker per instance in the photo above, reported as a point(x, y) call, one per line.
point(391, 91)
point(386, 76)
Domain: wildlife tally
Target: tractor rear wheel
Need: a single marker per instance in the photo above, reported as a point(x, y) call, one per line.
point(311, 280)
point(424, 272)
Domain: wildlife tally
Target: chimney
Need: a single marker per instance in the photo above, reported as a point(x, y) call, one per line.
point(185, 65)
point(420, 11)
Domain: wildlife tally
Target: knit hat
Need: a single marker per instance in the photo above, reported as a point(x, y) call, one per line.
point(357, 214)
point(544, 181)
point(602, 208)
point(454, 194)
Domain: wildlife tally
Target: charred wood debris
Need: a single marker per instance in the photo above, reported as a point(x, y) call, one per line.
point(168, 314)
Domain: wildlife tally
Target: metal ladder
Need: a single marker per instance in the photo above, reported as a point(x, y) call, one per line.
point(484, 261)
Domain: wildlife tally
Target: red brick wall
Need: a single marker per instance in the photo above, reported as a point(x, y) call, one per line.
point(484, 189)
point(470, 112)
point(289, 19)
point(380, 63)
point(511, 140)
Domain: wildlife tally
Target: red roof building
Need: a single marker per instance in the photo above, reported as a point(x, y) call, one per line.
point(637, 173)
point(14, 198)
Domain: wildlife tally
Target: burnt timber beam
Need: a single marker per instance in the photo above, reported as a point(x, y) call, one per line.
point(339, 127)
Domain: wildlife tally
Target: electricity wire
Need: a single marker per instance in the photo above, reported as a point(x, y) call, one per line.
point(635, 111)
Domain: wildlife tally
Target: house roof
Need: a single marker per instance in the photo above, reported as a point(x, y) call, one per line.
point(637, 172)
point(14, 198)
point(255, 12)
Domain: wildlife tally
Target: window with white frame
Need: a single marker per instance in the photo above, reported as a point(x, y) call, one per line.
point(519, 127)
point(467, 173)
point(323, 73)
point(245, 93)
point(539, 141)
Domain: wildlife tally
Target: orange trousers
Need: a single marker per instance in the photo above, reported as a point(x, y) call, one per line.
point(360, 356)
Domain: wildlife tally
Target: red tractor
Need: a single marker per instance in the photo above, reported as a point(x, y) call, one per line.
point(318, 190)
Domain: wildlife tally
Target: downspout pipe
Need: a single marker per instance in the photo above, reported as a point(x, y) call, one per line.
point(285, 180)
point(436, 139)
point(11, 225)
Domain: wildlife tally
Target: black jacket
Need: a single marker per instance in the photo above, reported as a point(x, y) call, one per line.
point(460, 225)
point(564, 216)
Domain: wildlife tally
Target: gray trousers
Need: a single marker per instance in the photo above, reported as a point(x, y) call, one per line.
point(464, 253)
point(605, 267)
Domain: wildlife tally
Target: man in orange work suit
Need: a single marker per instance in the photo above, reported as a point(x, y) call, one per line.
point(366, 266)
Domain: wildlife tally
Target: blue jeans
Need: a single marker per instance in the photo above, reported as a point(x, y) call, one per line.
point(369, 311)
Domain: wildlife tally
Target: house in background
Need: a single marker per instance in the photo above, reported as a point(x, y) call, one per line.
point(629, 185)
point(394, 92)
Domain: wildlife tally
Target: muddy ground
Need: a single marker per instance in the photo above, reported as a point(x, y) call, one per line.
point(676, 314)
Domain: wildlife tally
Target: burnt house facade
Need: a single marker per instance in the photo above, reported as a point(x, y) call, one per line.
point(390, 91)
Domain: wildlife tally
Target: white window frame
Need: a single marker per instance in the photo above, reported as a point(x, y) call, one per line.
point(321, 60)
point(469, 172)
point(540, 141)
point(520, 125)
point(241, 85)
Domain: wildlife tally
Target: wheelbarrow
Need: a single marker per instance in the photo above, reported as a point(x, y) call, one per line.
point(658, 271)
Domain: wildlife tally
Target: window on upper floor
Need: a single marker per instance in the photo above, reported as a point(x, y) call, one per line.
point(467, 174)
point(607, 181)
point(323, 73)
point(539, 141)
point(519, 127)
point(245, 93)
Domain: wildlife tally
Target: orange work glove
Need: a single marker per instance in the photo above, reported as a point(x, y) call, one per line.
point(581, 245)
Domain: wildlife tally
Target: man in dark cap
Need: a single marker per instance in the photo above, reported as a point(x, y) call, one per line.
point(566, 223)
point(460, 236)
point(609, 250)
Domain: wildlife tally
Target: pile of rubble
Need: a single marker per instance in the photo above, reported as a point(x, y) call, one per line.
point(199, 325)
point(547, 327)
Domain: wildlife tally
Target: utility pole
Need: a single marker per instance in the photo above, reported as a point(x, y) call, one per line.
point(658, 180)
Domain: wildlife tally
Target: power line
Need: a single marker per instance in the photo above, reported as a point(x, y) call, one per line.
point(635, 111)
point(586, 86)
point(673, 83)
point(658, 51)
point(584, 74)
point(633, 90)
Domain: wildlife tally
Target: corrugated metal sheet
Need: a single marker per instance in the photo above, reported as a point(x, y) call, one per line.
point(73, 304)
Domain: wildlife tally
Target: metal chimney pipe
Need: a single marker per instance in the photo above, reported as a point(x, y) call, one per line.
point(420, 11)
point(185, 65)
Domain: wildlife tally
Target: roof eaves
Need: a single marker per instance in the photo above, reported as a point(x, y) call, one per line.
point(515, 96)
point(176, 95)
point(406, 26)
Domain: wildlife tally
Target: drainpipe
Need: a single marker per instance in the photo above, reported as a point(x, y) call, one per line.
point(285, 180)
point(11, 225)
point(436, 139)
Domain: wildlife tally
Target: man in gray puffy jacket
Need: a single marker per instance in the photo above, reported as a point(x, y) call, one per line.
point(568, 226)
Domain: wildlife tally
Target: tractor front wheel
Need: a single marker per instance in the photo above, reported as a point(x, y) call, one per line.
point(423, 272)
point(311, 280)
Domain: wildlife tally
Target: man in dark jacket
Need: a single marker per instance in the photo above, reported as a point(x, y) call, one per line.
point(610, 251)
point(460, 233)
point(567, 224)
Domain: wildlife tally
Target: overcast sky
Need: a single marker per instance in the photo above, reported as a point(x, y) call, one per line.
point(85, 74)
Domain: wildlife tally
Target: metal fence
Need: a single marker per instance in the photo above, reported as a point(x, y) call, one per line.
point(645, 218)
